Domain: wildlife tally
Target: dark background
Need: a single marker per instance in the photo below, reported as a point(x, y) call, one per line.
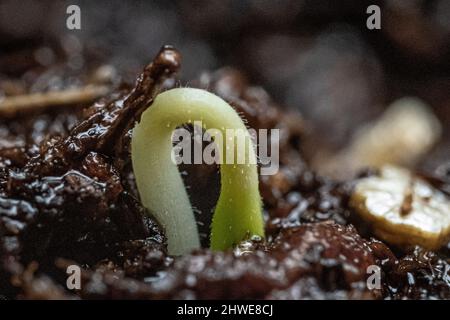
point(315, 57)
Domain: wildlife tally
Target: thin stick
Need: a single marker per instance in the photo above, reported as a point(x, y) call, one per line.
point(12, 105)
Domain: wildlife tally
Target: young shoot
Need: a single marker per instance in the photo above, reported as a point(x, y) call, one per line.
point(238, 212)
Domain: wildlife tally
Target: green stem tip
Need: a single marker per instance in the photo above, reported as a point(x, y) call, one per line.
point(238, 213)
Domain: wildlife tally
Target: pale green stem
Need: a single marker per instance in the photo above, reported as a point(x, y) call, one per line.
point(238, 212)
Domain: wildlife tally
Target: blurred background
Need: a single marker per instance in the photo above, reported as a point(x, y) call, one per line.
point(316, 58)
